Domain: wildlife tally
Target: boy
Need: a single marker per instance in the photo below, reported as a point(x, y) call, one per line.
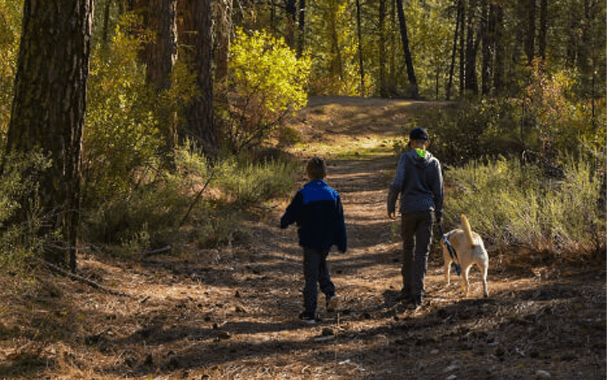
point(418, 178)
point(318, 212)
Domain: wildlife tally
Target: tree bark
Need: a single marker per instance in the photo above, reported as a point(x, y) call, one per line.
point(196, 36)
point(500, 54)
point(48, 110)
point(471, 83)
point(223, 32)
point(454, 51)
point(414, 92)
point(302, 28)
point(543, 33)
point(462, 49)
point(529, 43)
point(381, 46)
point(360, 50)
point(487, 37)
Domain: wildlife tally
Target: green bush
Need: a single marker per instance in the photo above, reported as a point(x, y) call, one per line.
point(512, 204)
point(266, 82)
point(20, 242)
point(121, 134)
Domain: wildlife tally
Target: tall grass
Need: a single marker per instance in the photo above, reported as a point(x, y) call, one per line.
point(513, 204)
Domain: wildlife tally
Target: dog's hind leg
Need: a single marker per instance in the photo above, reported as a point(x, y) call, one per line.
point(465, 283)
point(447, 261)
point(484, 270)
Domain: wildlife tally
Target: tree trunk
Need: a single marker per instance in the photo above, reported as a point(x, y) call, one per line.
point(454, 51)
point(302, 28)
point(291, 10)
point(381, 46)
point(500, 54)
point(48, 110)
point(487, 34)
point(106, 21)
point(223, 32)
point(543, 33)
point(160, 54)
point(471, 83)
point(462, 49)
point(196, 35)
point(360, 50)
point(530, 31)
point(414, 92)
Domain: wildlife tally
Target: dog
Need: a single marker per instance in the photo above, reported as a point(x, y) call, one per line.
point(470, 250)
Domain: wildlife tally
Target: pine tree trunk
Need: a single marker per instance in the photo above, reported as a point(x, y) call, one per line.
point(543, 33)
point(414, 92)
point(530, 31)
point(462, 49)
point(360, 50)
point(48, 110)
point(454, 51)
point(471, 83)
point(381, 46)
point(195, 34)
point(302, 28)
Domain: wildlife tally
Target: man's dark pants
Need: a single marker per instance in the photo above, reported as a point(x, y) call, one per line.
point(316, 272)
point(416, 232)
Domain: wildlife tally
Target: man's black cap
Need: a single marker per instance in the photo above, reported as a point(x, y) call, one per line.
point(419, 134)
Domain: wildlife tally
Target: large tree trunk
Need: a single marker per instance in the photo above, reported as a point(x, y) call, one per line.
point(161, 53)
point(195, 34)
point(414, 92)
point(48, 110)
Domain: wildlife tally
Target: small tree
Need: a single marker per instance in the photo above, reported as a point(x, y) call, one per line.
point(266, 82)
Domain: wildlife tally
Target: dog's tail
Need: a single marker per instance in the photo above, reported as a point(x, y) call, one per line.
point(467, 230)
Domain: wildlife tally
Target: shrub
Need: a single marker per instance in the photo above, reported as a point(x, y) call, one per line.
point(266, 82)
point(20, 242)
point(512, 204)
point(121, 132)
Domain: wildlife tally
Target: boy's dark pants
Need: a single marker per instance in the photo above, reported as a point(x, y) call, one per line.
point(416, 231)
point(316, 271)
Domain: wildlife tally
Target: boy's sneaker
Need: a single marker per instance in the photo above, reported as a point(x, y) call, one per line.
point(332, 303)
point(308, 318)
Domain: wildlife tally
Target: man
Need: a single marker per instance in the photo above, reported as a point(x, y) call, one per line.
point(419, 182)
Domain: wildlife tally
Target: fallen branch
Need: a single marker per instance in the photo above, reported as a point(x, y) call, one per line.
point(155, 251)
point(82, 279)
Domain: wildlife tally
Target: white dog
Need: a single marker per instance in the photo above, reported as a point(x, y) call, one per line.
point(470, 250)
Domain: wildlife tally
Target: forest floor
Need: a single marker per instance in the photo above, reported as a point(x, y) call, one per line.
point(231, 313)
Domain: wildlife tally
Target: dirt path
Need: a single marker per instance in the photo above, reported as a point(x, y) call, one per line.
point(232, 313)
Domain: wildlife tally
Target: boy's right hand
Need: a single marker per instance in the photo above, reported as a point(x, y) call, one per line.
point(391, 214)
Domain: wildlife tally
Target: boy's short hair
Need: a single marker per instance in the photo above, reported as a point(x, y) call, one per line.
point(316, 168)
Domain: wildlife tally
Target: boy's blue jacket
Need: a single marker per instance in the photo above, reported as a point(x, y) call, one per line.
point(318, 212)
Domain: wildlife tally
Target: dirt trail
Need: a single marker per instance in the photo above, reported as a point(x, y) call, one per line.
point(232, 313)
